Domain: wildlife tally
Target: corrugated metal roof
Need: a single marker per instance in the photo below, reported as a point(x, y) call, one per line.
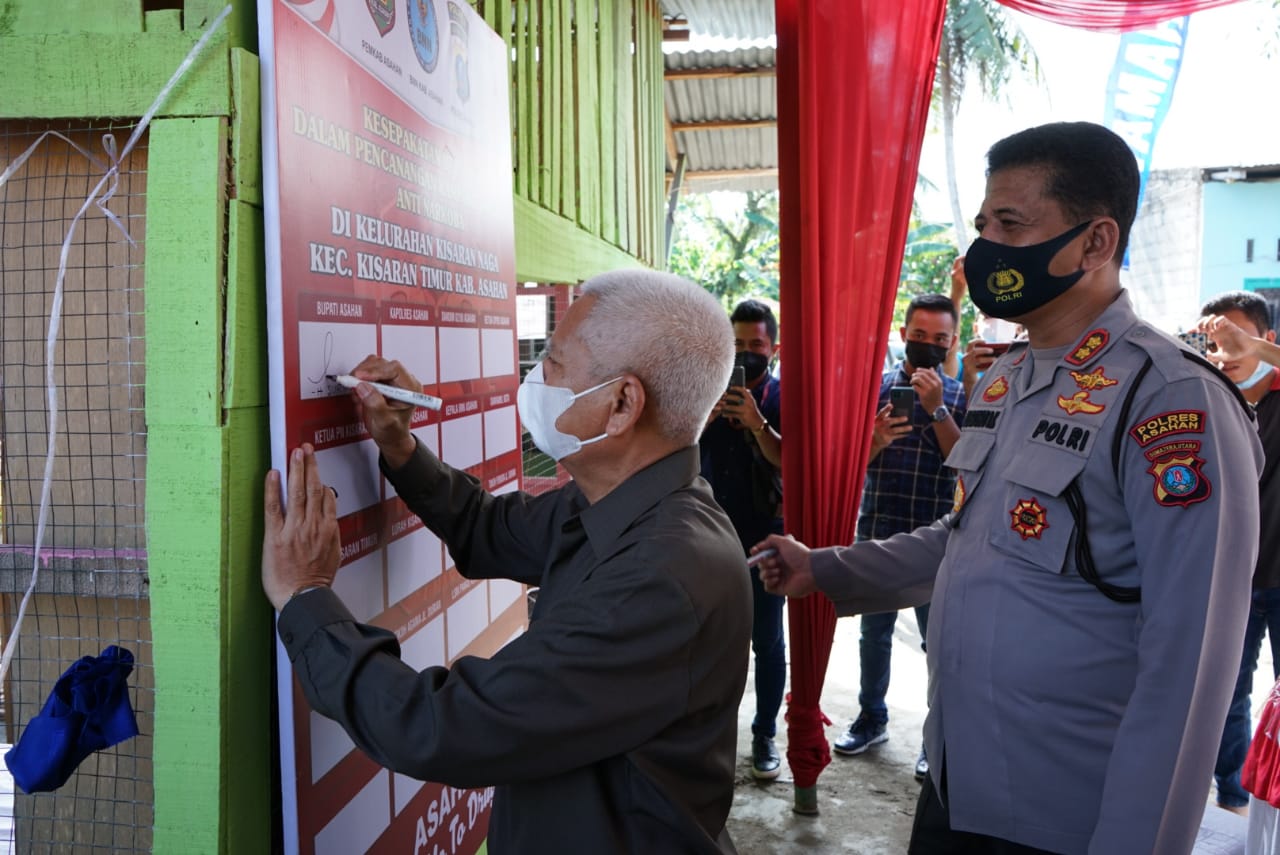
point(732, 19)
point(697, 100)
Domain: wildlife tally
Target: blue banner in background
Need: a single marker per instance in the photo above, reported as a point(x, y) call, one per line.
point(1140, 89)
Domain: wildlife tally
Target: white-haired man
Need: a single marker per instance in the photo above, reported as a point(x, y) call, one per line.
point(611, 725)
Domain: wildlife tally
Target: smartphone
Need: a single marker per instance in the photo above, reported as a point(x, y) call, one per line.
point(738, 377)
point(1196, 340)
point(998, 348)
point(902, 399)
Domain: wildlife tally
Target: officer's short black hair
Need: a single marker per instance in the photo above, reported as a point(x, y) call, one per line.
point(932, 303)
point(1250, 305)
point(1090, 170)
point(753, 312)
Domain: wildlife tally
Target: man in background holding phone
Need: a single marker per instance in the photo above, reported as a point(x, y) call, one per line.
point(917, 422)
point(1232, 322)
point(742, 459)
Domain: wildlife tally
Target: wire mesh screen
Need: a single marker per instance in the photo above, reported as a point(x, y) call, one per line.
point(541, 473)
point(92, 589)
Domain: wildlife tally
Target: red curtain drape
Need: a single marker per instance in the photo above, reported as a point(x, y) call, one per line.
point(1111, 15)
point(853, 100)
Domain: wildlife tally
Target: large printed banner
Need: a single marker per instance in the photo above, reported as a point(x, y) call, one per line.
point(387, 174)
point(1140, 89)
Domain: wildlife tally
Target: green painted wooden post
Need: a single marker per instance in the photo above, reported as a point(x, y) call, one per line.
point(608, 122)
point(586, 70)
point(549, 114)
point(186, 501)
point(569, 107)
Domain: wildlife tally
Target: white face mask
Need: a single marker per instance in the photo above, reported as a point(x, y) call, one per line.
point(540, 406)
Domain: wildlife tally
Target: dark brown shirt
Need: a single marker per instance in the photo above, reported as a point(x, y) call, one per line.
point(611, 725)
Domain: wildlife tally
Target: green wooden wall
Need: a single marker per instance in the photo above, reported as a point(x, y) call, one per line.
point(587, 141)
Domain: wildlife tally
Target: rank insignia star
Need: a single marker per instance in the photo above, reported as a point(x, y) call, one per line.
point(1029, 518)
point(1079, 403)
point(996, 390)
point(1093, 341)
point(1095, 379)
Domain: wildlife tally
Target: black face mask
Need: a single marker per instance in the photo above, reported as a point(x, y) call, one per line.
point(1010, 281)
point(922, 354)
point(755, 364)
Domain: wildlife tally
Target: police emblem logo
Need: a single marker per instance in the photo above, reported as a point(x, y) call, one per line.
point(1029, 518)
point(1095, 379)
point(458, 28)
point(957, 501)
point(1007, 281)
point(1179, 479)
point(996, 390)
point(1079, 403)
point(1089, 346)
point(424, 33)
point(383, 13)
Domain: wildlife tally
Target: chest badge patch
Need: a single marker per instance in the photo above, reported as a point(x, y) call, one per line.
point(996, 390)
point(1093, 341)
point(1095, 379)
point(1180, 479)
point(958, 501)
point(1029, 519)
point(1079, 403)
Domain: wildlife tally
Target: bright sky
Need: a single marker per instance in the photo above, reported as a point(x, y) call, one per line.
point(1223, 111)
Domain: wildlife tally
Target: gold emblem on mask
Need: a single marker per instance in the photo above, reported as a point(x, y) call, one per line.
point(1006, 281)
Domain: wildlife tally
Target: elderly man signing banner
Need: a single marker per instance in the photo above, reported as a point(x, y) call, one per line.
point(611, 725)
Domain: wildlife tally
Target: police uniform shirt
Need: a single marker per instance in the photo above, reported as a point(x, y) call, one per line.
point(611, 724)
point(1065, 720)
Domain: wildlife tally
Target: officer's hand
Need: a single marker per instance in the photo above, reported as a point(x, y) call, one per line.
point(300, 547)
point(1231, 342)
point(387, 421)
point(787, 573)
point(928, 385)
point(887, 428)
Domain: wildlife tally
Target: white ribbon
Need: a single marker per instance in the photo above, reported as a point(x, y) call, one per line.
point(100, 195)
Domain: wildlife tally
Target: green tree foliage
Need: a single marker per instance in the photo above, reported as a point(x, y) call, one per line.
point(926, 269)
point(980, 45)
point(733, 253)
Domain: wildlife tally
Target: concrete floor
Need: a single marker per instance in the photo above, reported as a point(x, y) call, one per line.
point(867, 802)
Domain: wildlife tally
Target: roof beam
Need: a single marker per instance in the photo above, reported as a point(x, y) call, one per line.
point(723, 125)
point(717, 174)
point(718, 73)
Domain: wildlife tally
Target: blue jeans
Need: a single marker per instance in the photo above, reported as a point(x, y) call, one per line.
point(875, 647)
point(1264, 616)
point(771, 657)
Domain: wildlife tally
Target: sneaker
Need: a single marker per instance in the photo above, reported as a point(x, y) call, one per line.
point(922, 766)
point(765, 762)
point(862, 734)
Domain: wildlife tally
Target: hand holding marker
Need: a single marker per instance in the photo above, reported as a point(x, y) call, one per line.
point(395, 393)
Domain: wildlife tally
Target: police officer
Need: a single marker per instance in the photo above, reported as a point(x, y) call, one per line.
point(1094, 573)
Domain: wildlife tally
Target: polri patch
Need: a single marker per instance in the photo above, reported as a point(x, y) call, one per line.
point(1161, 425)
point(981, 419)
point(1068, 436)
point(1079, 403)
point(996, 390)
point(1029, 518)
point(1179, 478)
point(1095, 379)
point(957, 501)
point(1092, 342)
